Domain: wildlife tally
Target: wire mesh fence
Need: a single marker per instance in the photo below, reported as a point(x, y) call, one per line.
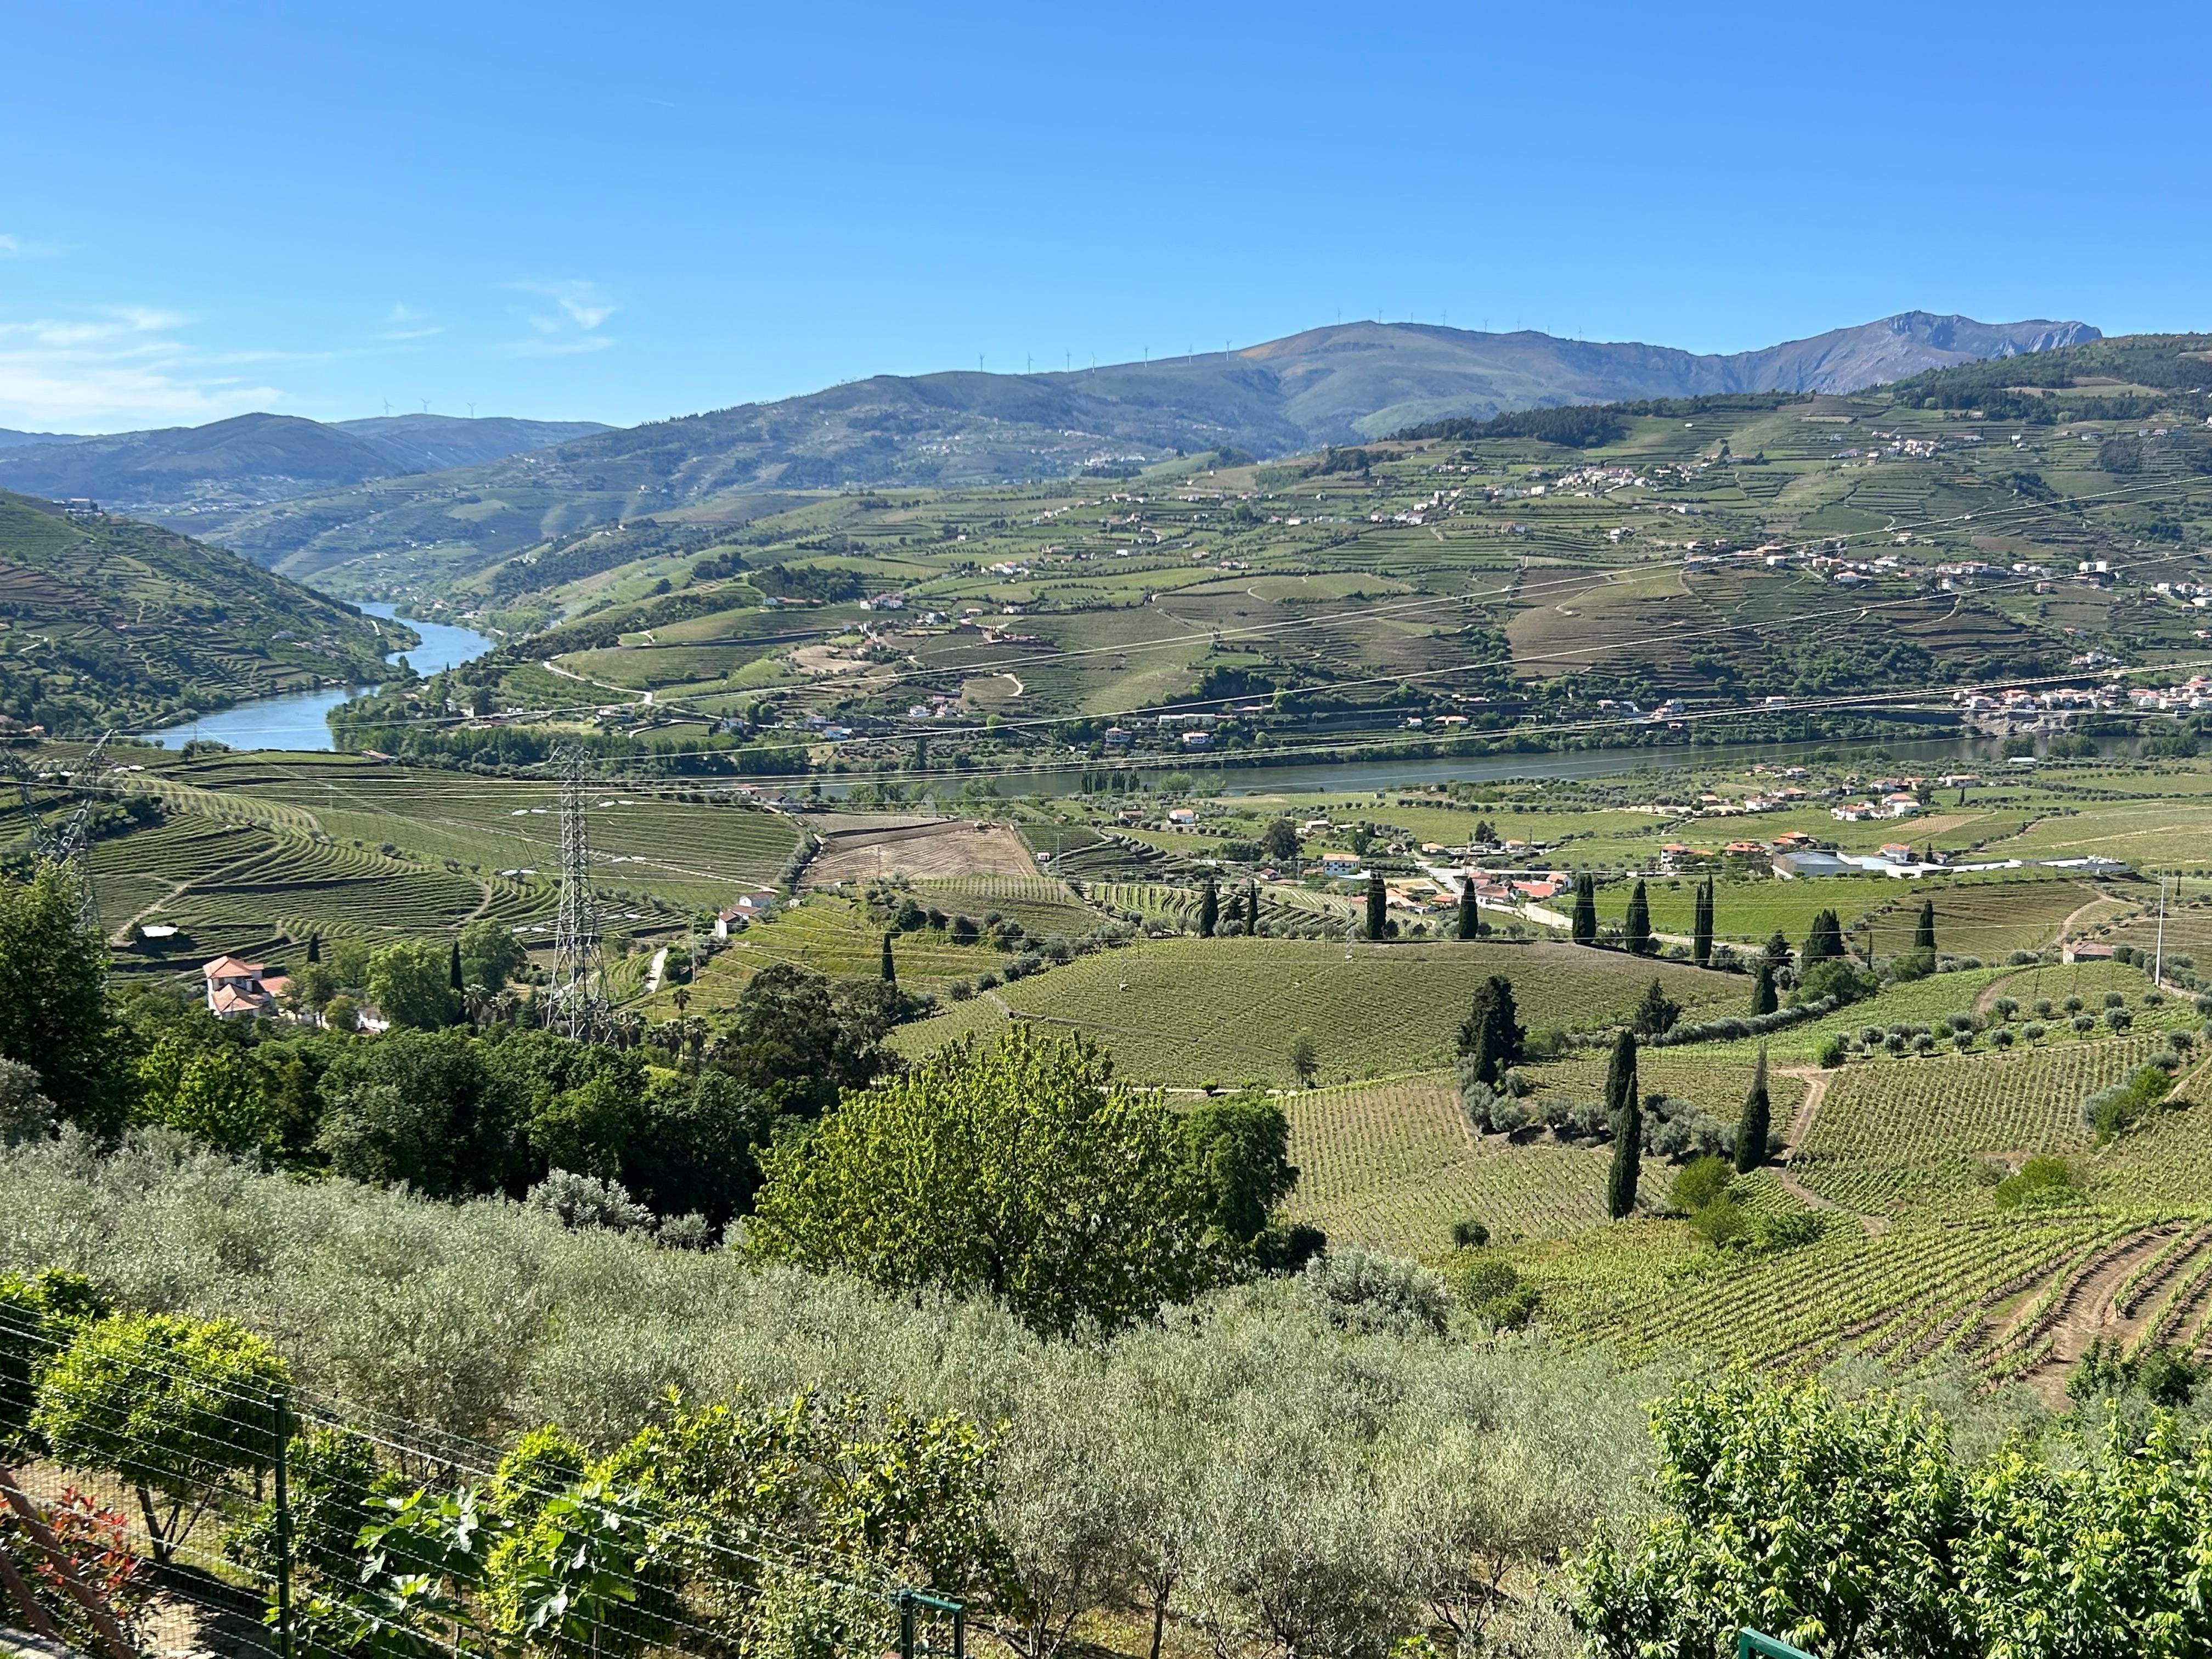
point(163, 1488)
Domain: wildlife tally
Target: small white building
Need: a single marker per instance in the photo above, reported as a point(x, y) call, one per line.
point(748, 907)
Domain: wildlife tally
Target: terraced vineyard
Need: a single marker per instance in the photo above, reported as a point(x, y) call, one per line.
point(1044, 907)
point(1698, 1074)
point(1286, 912)
point(1932, 1001)
point(831, 935)
point(686, 852)
point(1188, 1011)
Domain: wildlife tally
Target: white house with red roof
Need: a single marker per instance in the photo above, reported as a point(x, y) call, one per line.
point(237, 989)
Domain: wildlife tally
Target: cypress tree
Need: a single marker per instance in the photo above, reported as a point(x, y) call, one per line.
point(314, 947)
point(1752, 1128)
point(1638, 925)
point(1585, 930)
point(1825, 941)
point(1492, 1035)
point(1763, 1000)
point(1701, 928)
point(1379, 904)
point(1251, 909)
point(1470, 914)
point(1209, 909)
point(1923, 933)
point(454, 965)
point(891, 968)
point(1621, 1100)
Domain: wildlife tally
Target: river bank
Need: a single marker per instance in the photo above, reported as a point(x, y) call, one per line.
point(300, 719)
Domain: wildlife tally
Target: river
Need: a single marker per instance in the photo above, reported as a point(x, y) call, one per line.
point(299, 718)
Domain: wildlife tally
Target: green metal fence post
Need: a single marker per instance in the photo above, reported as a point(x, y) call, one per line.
point(1756, 1644)
point(284, 1533)
point(906, 1624)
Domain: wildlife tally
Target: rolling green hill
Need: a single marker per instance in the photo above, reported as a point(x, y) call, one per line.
point(1328, 385)
point(107, 622)
point(1861, 559)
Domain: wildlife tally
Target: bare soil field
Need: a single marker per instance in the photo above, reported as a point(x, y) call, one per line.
point(946, 846)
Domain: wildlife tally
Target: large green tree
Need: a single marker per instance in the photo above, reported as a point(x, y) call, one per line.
point(1238, 1148)
point(1701, 926)
point(1209, 908)
point(1470, 911)
point(1824, 941)
point(1379, 906)
point(428, 1109)
point(1583, 928)
point(1020, 1169)
point(1785, 1510)
point(53, 1006)
point(1763, 998)
point(491, 954)
point(410, 981)
point(803, 1041)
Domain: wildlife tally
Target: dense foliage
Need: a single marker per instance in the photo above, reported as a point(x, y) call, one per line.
point(1022, 1171)
point(1849, 1527)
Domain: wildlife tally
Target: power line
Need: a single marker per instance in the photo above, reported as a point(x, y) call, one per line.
point(580, 970)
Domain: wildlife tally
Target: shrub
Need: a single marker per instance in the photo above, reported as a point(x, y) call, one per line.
point(1791, 1230)
point(1700, 1183)
point(1366, 1291)
point(2034, 1031)
point(1722, 1222)
point(1831, 1053)
point(1488, 1287)
point(582, 1200)
point(2111, 1111)
point(2040, 1181)
point(1470, 1234)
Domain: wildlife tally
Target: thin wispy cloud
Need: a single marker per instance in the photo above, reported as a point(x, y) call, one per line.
point(119, 367)
point(567, 319)
point(405, 323)
point(21, 247)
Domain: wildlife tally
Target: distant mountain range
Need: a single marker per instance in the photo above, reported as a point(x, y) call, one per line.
point(251, 459)
point(312, 500)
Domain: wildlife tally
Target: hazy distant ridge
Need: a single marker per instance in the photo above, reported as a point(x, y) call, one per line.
point(266, 456)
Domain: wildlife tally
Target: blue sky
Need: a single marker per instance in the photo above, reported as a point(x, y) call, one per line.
point(626, 212)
